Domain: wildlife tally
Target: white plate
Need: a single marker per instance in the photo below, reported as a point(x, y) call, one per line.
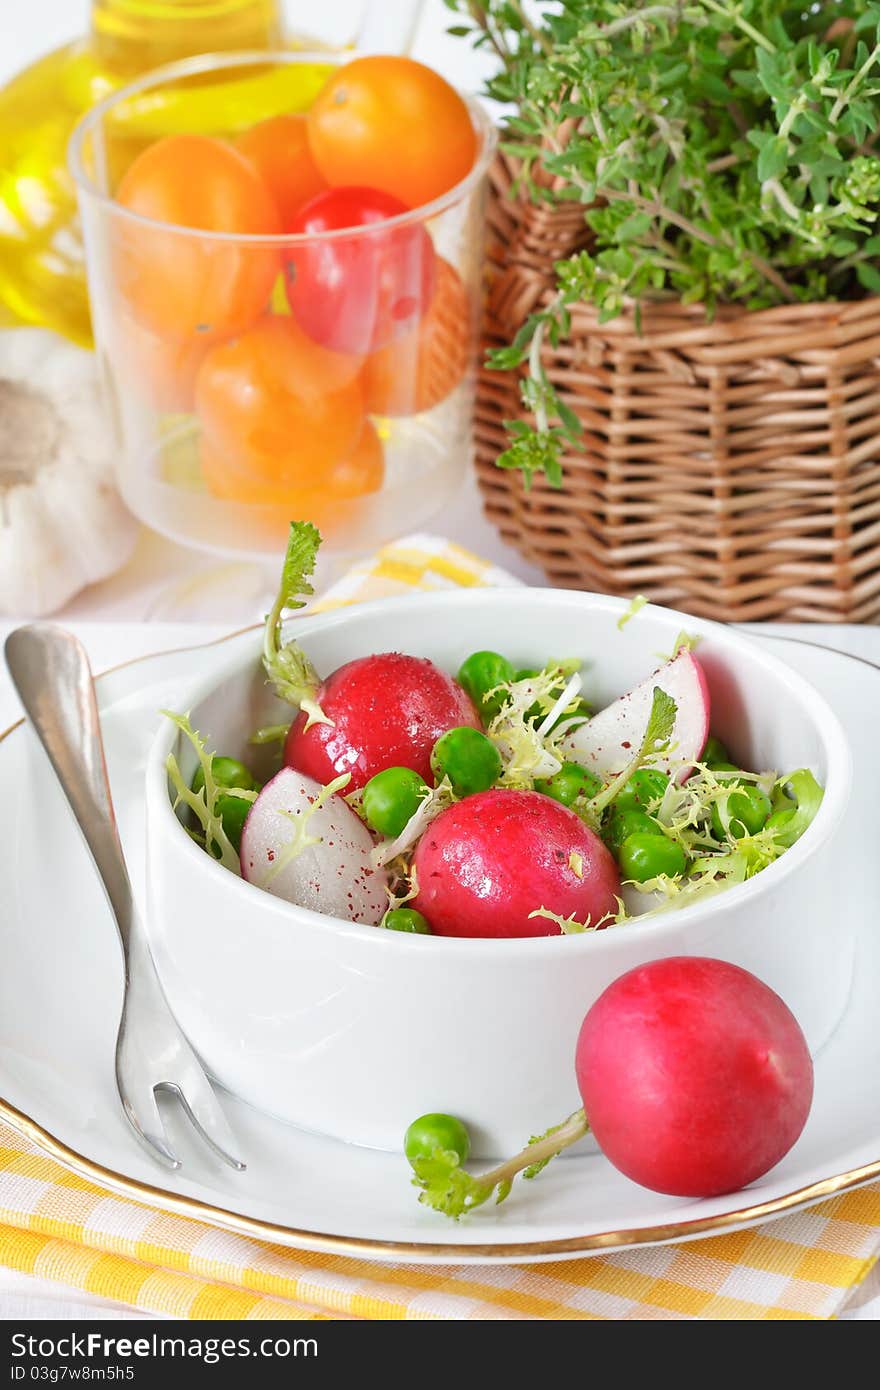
point(60, 994)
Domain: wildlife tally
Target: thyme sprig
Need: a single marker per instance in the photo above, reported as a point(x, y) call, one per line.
point(725, 151)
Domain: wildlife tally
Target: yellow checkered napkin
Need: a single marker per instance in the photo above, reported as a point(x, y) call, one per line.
point(416, 563)
point(59, 1226)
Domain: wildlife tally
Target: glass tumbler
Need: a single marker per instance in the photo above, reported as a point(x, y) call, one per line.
point(255, 379)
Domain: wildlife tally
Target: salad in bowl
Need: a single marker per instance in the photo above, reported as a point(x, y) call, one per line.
point(396, 850)
point(491, 803)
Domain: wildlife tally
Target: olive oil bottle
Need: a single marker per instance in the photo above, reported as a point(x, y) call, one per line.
point(42, 278)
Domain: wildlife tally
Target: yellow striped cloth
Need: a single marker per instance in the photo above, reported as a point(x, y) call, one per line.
point(57, 1225)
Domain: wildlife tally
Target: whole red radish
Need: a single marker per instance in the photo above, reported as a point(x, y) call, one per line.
point(387, 710)
point(489, 861)
point(695, 1076)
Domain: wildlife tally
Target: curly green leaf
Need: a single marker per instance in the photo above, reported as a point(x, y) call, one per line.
point(290, 672)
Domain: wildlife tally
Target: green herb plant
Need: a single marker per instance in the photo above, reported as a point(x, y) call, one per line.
point(725, 151)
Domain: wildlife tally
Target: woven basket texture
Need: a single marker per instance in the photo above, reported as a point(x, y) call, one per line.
point(731, 468)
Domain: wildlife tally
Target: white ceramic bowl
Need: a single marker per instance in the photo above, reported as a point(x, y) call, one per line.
point(354, 1031)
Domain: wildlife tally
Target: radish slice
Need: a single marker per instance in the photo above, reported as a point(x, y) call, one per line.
point(308, 847)
point(607, 742)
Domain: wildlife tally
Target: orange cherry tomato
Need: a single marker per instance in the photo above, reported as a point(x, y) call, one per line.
point(395, 125)
point(279, 151)
point(361, 472)
point(276, 411)
point(416, 372)
point(180, 284)
point(161, 372)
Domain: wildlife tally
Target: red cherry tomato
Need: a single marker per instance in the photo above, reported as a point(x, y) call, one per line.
point(359, 292)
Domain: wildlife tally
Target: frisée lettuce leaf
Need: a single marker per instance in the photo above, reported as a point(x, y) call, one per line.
point(204, 804)
point(290, 673)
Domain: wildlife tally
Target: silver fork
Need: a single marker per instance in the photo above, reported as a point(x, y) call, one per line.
point(51, 672)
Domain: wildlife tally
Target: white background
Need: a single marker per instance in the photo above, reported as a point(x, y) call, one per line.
point(31, 27)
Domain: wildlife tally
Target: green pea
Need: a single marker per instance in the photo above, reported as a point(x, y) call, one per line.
point(570, 782)
point(740, 813)
point(233, 810)
point(645, 786)
point(715, 753)
point(391, 798)
point(429, 1133)
point(227, 772)
point(622, 824)
point(643, 857)
point(468, 758)
point(481, 673)
point(406, 919)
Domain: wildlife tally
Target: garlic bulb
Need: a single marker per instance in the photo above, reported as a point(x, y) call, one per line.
point(62, 523)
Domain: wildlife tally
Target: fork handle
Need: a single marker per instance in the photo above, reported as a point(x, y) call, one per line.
point(51, 672)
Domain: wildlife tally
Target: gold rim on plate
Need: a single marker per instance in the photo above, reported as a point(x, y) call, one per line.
point(363, 1247)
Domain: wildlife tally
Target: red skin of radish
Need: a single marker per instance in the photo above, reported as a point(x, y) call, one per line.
point(484, 864)
point(695, 1076)
point(388, 710)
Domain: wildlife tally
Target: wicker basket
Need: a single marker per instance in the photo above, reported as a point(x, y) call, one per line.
point(731, 468)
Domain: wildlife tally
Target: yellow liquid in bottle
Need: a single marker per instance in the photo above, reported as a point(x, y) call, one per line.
point(42, 274)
